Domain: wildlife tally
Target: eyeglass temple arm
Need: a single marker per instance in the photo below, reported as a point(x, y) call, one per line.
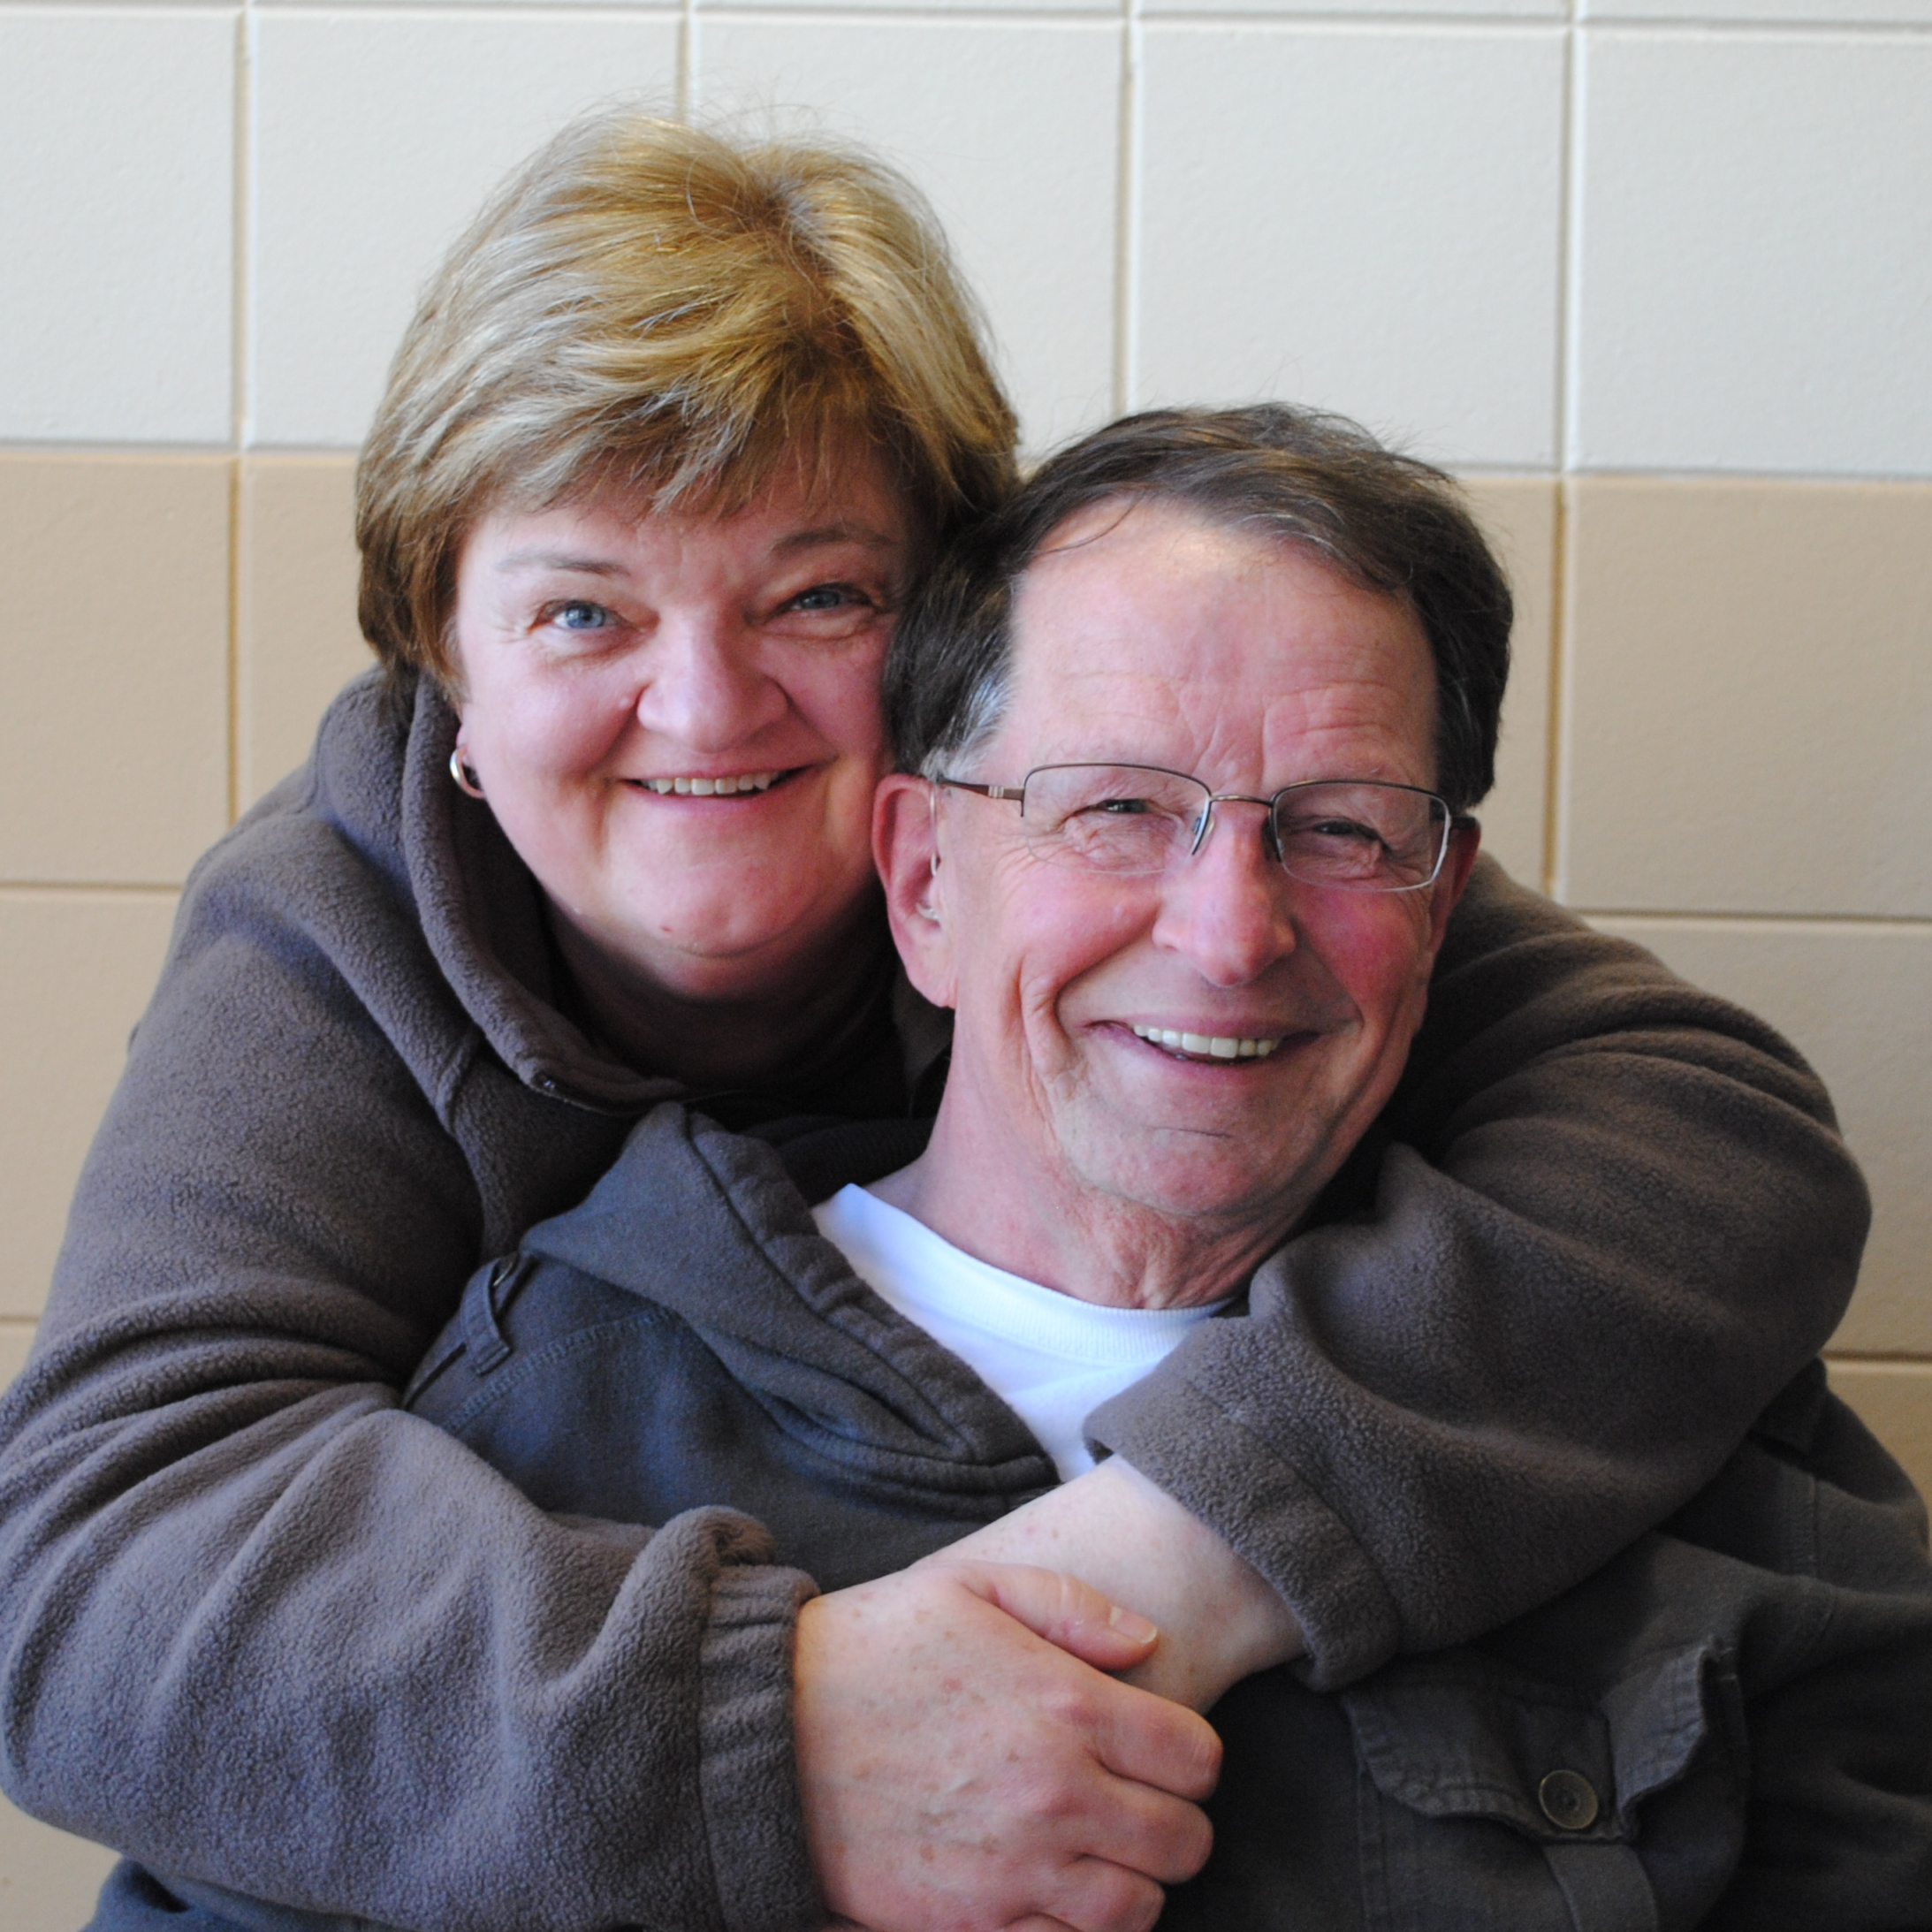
point(985, 791)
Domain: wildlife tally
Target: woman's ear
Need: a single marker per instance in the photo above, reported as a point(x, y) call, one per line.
point(906, 850)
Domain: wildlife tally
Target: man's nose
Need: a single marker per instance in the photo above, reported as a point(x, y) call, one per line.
point(703, 685)
point(1227, 910)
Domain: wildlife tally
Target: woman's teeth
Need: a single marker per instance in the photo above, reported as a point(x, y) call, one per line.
point(713, 788)
point(1207, 1045)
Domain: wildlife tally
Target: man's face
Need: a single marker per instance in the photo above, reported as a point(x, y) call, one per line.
point(1153, 637)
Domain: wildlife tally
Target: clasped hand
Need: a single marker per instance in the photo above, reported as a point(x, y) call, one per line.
point(966, 1766)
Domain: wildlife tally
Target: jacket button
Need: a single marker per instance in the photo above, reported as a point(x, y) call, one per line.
point(1568, 1800)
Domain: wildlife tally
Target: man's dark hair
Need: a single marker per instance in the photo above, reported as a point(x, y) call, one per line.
point(1385, 522)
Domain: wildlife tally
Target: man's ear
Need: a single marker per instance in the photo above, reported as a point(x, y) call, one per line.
point(1465, 841)
point(906, 850)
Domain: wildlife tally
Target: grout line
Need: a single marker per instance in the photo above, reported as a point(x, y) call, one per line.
point(235, 537)
point(1568, 226)
point(1879, 1359)
point(81, 888)
point(1127, 212)
point(240, 349)
point(1554, 740)
point(1570, 276)
point(1866, 924)
point(240, 264)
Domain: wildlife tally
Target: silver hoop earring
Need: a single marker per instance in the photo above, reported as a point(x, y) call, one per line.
point(466, 780)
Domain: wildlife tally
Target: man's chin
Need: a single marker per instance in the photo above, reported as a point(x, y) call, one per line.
point(1197, 1176)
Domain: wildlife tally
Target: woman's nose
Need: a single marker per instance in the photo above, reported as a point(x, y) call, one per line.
point(1227, 910)
point(704, 687)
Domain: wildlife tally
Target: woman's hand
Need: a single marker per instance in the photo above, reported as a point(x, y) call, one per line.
point(965, 1766)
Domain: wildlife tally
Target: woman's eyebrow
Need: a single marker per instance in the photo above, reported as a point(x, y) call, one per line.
point(834, 533)
point(555, 559)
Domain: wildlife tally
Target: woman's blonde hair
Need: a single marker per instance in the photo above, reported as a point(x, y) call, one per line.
point(671, 312)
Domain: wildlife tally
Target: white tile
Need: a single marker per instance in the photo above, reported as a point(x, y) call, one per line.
point(77, 969)
point(47, 1881)
point(117, 143)
point(1755, 265)
point(1361, 218)
point(1011, 128)
point(377, 136)
point(1854, 1000)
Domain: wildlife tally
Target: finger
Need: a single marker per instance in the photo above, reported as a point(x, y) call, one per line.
point(1093, 1895)
point(1162, 1838)
point(1139, 1736)
point(1069, 1613)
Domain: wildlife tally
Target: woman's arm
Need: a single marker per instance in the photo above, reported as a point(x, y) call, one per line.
point(1612, 1217)
point(260, 1628)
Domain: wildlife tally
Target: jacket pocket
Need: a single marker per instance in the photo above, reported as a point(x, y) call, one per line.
point(1490, 1797)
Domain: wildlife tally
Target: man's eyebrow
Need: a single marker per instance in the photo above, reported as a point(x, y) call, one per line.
point(559, 559)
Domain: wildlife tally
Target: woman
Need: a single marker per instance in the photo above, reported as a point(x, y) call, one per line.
point(671, 433)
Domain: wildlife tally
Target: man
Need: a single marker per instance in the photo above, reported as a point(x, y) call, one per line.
point(1191, 742)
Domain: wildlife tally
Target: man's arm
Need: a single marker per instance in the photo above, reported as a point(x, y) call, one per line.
point(1219, 1618)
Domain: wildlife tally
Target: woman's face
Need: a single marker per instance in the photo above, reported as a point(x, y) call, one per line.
point(676, 718)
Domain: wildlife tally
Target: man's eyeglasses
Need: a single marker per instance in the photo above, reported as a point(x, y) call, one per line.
point(1357, 834)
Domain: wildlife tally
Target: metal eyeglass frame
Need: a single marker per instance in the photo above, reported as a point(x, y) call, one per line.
point(1452, 821)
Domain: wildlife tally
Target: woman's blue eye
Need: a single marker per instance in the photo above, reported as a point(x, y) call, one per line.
point(823, 597)
point(581, 616)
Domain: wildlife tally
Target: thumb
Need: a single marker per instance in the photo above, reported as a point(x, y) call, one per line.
point(1067, 1613)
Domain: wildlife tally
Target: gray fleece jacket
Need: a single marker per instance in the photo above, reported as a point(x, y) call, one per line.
point(1731, 1724)
point(262, 1628)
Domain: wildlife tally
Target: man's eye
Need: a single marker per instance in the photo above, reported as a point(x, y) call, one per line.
point(1123, 808)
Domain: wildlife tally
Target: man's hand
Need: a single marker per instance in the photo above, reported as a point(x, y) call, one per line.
point(966, 1767)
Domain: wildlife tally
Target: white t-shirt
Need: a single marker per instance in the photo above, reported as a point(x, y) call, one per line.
point(1052, 1359)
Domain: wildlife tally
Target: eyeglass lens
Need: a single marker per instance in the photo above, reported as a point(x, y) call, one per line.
point(1132, 818)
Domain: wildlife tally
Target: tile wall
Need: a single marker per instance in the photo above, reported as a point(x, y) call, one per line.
point(1656, 275)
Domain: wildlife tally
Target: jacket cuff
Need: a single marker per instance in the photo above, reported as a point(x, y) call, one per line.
point(748, 1769)
point(1183, 1441)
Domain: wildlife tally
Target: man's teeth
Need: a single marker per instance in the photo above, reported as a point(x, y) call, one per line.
point(1212, 1046)
point(714, 788)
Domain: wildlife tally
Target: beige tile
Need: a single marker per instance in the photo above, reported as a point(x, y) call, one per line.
point(1894, 1401)
point(16, 1338)
point(76, 969)
point(114, 740)
point(47, 1881)
point(1519, 515)
point(1747, 698)
point(1854, 1000)
point(299, 641)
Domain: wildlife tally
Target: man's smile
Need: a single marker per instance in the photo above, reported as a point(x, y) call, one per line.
point(1188, 1046)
